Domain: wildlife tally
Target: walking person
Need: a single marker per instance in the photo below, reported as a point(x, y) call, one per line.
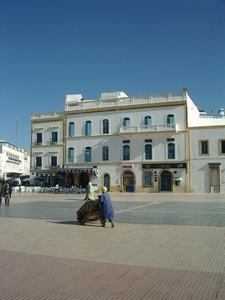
point(89, 192)
point(107, 211)
point(7, 193)
point(1, 192)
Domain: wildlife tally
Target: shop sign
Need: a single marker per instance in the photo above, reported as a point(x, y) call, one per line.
point(165, 166)
point(127, 167)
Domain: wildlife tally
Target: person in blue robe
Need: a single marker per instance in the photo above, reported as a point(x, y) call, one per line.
point(107, 211)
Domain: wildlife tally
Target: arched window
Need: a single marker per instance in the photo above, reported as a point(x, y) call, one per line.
point(126, 122)
point(126, 152)
point(70, 155)
point(105, 153)
point(88, 128)
point(148, 120)
point(105, 126)
point(71, 129)
point(170, 119)
point(171, 151)
point(87, 154)
point(148, 151)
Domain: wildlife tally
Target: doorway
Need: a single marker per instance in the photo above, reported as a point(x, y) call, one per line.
point(84, 179)
point(107, 181)
point(214, 178)
point(165, 182)
point(128, 181)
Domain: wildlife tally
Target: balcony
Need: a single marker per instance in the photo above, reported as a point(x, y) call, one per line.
point(53, 166)
point(53, 142)
point(122, 100)
point(148, 128)
point(37, 167)
point(15, 160)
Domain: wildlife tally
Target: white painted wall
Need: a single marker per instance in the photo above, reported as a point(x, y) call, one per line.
point(6, 165)
point(200, 164)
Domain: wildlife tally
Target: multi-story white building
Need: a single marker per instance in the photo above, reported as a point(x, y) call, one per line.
point(14, 161)
point(207, 153)
point(133, 144)
point(47, 146)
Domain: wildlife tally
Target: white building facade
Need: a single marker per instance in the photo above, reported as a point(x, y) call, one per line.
point(207, 154)
point(129, 144)
point(47, 146)
point(14, 161)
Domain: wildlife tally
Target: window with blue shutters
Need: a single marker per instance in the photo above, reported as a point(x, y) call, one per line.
point(54, 138)
point(54, 161)
point(148, 151)
point(38, 161)
point(171, 151)
point(204, 148)
point(88, 128)
point(70, 155)
point(148, 120)
point(126, 152)
point(88, 154)
point(170, 119)
point(147, 178)
point(71, 129)
point(126, 122)
point(105, 126)
point(39, 138)
point(105, 153)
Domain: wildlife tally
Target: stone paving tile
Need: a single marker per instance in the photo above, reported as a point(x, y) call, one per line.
point(28, 276)
point(59, 259)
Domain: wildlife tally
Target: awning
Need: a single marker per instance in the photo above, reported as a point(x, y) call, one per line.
point(77, 170)
point(81, 170)
point(46, 174)
point(69, 170)
point(177, 179)
point(14, 174)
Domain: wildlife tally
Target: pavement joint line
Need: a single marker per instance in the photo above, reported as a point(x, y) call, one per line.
point(136, 207)
point(180, 211)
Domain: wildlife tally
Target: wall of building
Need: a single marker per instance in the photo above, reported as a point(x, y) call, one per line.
point(14, 161)
point(200, 164)
point(187, 172)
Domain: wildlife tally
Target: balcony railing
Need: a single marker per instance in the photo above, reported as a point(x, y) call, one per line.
point(15, 160)
point(145, 128)
point(37, 167)
point(53, 166)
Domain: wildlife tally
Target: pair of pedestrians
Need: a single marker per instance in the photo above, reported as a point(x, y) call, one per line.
point(5, 191)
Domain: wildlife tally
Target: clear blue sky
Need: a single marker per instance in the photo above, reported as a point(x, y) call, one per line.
point(51, 48)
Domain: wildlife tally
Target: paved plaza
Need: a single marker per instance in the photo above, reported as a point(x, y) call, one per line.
point(163, 246)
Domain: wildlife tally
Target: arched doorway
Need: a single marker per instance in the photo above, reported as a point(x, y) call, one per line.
point(107, 181)
point(84, 179)
point(165, 182)
point(128, 181)
point(70, 179)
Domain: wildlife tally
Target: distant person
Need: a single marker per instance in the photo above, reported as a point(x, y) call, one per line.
point(1, 192)
point(89, 192)
point(7, 193)
point(107, 211)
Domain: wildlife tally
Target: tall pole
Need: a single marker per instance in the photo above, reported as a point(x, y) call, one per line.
point(16, 128)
